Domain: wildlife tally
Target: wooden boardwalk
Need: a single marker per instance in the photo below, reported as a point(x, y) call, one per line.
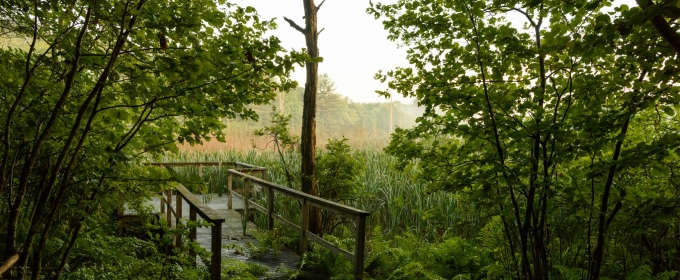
point(228, 227)
point(232, 233)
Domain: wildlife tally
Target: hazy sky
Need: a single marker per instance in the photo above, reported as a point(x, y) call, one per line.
point(354, 45)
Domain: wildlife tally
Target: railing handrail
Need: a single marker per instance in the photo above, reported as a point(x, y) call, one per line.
point(301, 195)
point(206, 163)
point(9, 263)
point(202, 209)
point(236, 163)
point(307, 201)
point(207, 213)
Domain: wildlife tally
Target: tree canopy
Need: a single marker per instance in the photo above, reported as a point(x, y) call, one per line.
point(558, 117)
point(102, 86)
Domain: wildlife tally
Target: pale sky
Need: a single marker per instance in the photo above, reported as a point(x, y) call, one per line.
point(354, 45)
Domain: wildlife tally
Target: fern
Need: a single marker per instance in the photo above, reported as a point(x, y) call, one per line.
point(320, 260)
point(415, 271)
point(645, 273)
point(235, 269)
point(384, 261)
point(572, 273)
point(641, 273)
point(666, 275)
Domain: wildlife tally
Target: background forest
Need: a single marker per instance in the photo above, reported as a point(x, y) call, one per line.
point(542, 143)
point(366, 125)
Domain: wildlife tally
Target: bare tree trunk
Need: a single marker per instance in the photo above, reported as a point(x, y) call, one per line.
point(308, 145)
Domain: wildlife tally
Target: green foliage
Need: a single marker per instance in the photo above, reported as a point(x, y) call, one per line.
point(268, 242)
point(101, 255)
point(272, 240)
point(408, 257)
point(103, 86)
point(413, 270)
point(572, 273)
point(238, 270)
point(645, 272)
point(641, 273)
point(108, 257)
point(558, 118)
point(338, 171)
point(492, 238)
point(396, 202)
point(320, 261)
point(283, 142)
point(278, 133)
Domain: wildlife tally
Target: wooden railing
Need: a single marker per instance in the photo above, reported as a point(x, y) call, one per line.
point(9, 263)
point(207, 213)
point(307, 201)
point(195, 207)
point(246, 172)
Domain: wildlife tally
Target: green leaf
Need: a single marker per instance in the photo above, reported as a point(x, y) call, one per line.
point(317, 59)
point(669, 110)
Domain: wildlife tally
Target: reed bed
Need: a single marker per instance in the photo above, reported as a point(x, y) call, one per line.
point(398, 204)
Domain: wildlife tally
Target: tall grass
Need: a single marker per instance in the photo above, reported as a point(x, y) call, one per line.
point(396, 201)
point(240, 137)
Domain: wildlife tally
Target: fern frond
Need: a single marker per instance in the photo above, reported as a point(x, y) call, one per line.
point(666, 275)
point(641, 273)
point(572, 273)
point(413, 271)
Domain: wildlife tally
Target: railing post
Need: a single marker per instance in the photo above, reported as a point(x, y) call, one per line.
point(178, 211)
point(304, 243)
point(192, 232)
point(220, 187)
point(121, 212)
point(359, 244)
point(270, 208)
point(264, 174)
point(246, 207)
point(169, 201)
point(229, 186)
point(162, 204)
point(216, 249)
point(200, 171)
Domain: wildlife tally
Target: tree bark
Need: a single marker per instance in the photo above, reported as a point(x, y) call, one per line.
point(665, 30)
point(308, 145)
point(602, 225)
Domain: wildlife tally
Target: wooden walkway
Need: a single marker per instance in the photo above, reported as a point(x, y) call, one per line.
point(228, 228)
point(232, 233)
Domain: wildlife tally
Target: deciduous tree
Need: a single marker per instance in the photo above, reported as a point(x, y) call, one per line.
point(534, 110)
point(101, 87)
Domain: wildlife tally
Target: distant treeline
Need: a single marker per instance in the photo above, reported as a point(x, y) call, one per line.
point(336, 115)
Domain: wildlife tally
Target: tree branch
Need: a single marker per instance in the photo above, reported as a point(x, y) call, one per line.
point(665, 30)
point(319, 7)
point(294, 25)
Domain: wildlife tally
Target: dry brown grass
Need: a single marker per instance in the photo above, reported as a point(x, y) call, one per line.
point(243, 139)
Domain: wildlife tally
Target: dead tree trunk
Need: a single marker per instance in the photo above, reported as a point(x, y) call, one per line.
point(308, 145)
